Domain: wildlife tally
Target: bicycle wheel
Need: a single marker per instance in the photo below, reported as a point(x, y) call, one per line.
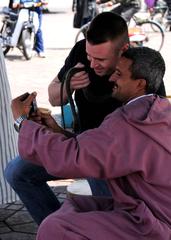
point(159, 14)
point(161, 18)
point(153, 39)
point(82, 32)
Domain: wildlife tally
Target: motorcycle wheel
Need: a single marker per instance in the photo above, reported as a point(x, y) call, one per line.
point(27, 42)
point(3, 35)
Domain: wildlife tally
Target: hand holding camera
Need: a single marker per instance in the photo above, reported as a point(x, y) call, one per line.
point(24, 105)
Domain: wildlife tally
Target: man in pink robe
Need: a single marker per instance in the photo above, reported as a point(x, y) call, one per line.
point(131, 150)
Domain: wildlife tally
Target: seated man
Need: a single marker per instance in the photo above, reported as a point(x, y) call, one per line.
point(130, 149)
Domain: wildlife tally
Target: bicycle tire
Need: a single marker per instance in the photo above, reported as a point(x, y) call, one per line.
point(162, 20)
point(158, 18)
point(82, 32)
point(153, 39)
point(159, 14)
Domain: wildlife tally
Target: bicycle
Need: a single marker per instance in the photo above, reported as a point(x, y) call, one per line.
point(159, 13)
point(151, 30)
point(142, 32)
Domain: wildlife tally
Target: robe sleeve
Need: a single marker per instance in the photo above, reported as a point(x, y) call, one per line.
point(95, 153)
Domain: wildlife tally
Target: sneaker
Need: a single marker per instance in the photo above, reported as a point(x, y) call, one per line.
point(41, 55)
point(34, 53)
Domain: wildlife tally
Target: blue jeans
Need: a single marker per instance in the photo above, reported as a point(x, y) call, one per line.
point(29, 182)
point(99, 187)
point(39, 44)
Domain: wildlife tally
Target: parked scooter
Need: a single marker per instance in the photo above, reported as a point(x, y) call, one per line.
point(19, 28)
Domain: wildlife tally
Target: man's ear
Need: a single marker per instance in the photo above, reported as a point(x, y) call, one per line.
point(125, 47)
point(141, 84)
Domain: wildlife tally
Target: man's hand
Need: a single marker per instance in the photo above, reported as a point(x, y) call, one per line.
point(15, 5)
point(80, 79)
point(50, 123)
point(44, 2)
point(36, 117)
point(20, 107)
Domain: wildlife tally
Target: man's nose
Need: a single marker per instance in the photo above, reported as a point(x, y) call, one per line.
point(93, 63)
point(112, 78)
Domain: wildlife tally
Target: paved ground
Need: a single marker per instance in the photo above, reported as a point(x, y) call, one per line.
point(35, 75)
point(15, 221)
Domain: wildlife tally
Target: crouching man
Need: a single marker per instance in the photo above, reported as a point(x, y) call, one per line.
point(131, 150)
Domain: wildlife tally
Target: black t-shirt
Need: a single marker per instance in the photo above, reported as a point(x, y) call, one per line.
point(93, 103)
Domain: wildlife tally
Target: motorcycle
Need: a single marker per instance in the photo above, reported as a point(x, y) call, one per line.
point(19, 29)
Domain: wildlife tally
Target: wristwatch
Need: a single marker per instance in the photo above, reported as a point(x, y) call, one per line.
point(18, 122)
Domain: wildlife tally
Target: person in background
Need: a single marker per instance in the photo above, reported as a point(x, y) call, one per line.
point(131, 149)
point(10, 3)
point(84, 12)
point(39, 43)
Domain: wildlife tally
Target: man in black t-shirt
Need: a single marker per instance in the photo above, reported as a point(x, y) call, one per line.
point(107, 38)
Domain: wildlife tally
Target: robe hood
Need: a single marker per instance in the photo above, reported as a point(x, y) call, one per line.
point(154, 120)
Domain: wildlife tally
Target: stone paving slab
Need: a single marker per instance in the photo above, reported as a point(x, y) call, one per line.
point(15, 221)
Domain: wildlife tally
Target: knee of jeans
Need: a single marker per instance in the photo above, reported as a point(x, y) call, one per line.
point(12, 171)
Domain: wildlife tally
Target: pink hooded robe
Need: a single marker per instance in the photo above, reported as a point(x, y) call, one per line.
point(132, 150)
